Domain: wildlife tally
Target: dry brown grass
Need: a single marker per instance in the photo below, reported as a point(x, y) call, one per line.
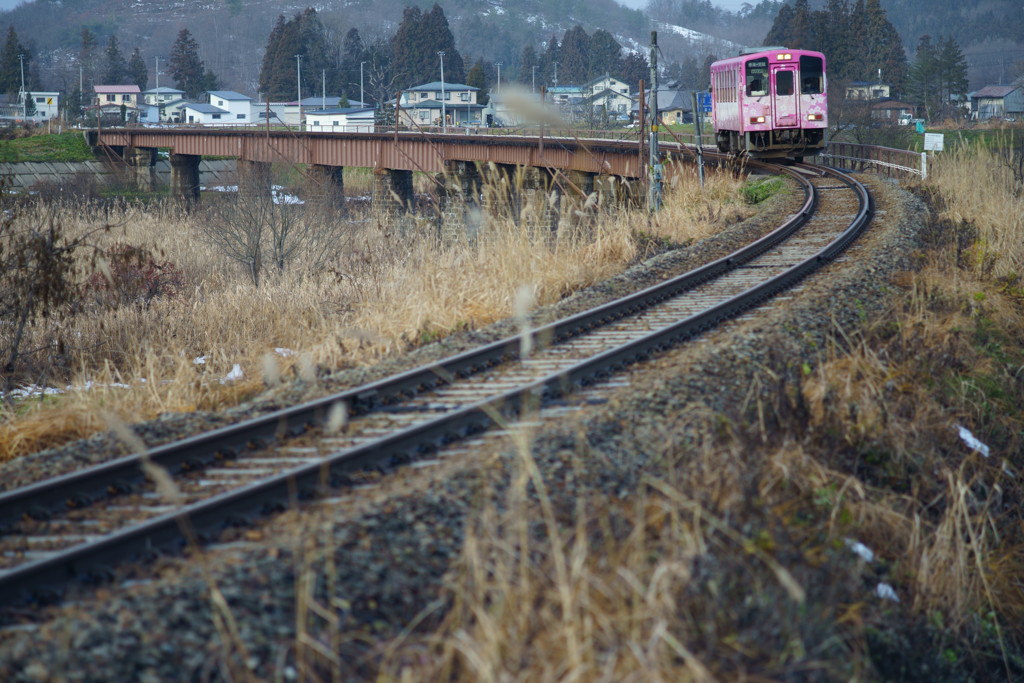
point(731, 562)
point(386, 288)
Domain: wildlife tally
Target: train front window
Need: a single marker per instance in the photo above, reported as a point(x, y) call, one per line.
point(757, 77)
point(812, 75)
point(783, 83)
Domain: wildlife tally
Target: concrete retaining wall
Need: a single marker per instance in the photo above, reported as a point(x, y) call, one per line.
point(25, 175)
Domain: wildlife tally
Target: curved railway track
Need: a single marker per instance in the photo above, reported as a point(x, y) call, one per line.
point(76, 527)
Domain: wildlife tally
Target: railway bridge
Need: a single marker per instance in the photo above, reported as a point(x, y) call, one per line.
point(566, 165)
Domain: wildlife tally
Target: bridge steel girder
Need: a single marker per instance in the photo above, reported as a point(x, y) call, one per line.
point(404, 151)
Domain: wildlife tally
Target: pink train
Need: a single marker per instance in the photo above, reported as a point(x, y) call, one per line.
point(770, 102)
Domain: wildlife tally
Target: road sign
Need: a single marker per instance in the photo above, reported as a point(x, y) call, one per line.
point(704, 99)
point(933, 142)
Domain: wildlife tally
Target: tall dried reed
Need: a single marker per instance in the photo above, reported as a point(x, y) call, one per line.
point(385, 288)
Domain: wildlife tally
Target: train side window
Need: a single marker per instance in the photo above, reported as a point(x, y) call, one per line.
point(783, 83)
point(757, 77)
point(812, 72)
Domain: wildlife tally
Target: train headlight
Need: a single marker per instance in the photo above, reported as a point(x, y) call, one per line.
point(783, 56)
point(757, 119)
point(815, 117)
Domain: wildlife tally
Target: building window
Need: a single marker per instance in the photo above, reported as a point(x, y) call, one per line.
point(240, 116)
point(423, 95)
point(335, 123)
point(215, 116)
point(110, 98)
point(423, 115)
point(220, 103)
point(41, 100)
point(464, 96)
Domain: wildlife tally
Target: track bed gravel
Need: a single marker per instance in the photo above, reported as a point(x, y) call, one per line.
point(392, 544)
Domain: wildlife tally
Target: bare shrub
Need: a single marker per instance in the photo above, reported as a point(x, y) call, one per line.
point(39, 269)
point(133, 275)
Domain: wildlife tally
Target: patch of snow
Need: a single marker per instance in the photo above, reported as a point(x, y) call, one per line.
point(283, 352)
point(886, 592)
point(199, 360)
point(860, 549)
point(972, 442)
point(235, 374)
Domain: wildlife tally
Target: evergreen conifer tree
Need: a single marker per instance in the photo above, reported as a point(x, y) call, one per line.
point(605, 55)
point(477, 77)
point(10, 63)
point(87, 59)
point(137, 71)
point(185, 66)
point(115, 68)
point(574, 67)
point(527, 63)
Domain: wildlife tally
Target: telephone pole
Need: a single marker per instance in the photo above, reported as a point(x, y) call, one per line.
point(655, 169)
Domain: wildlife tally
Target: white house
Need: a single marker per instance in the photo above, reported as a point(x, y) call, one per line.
point(275, 111)
point(424, 104)
point(340, 120)
point(162, 95)
point(289, 114)
point(237, 106)
point(206, 114)
point(46, 105)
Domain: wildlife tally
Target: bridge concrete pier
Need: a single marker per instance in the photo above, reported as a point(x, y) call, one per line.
point(392, 194)
point(254, 178)
point(142, 160)
point(540, 204)
point(185, 177)
point(327, 184)
point(613, 190)
point(460, 201)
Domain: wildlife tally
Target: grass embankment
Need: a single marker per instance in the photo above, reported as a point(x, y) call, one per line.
point(357, 289)
point(734, 556)
point(69, 146)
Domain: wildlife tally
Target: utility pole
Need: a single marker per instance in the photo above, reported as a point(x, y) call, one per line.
point(444, 115)
point(24, 108)
point(298, 81)
point(323, 88)
point(533, 81)
point(654, 188)
point(362, 102)
point(498, 64)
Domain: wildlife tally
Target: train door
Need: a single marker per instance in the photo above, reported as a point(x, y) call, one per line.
point(784, 96)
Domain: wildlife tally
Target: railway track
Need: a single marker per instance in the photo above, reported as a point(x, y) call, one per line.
point(75, 528)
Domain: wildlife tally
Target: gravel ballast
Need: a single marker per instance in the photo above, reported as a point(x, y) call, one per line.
point(391, 545)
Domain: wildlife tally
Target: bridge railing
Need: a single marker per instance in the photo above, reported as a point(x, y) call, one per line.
point(892, 162)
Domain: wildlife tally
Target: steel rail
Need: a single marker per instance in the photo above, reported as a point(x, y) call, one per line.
point(78, 489)
point(207, 517)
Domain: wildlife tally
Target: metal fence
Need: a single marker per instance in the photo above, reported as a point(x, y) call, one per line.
point(892, 162)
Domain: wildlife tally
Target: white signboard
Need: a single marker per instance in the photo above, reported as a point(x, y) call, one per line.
point(933, 142)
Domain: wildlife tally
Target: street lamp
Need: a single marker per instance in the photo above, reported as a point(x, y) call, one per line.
point(444, 113)
point(298, 82)
point(362, 102)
